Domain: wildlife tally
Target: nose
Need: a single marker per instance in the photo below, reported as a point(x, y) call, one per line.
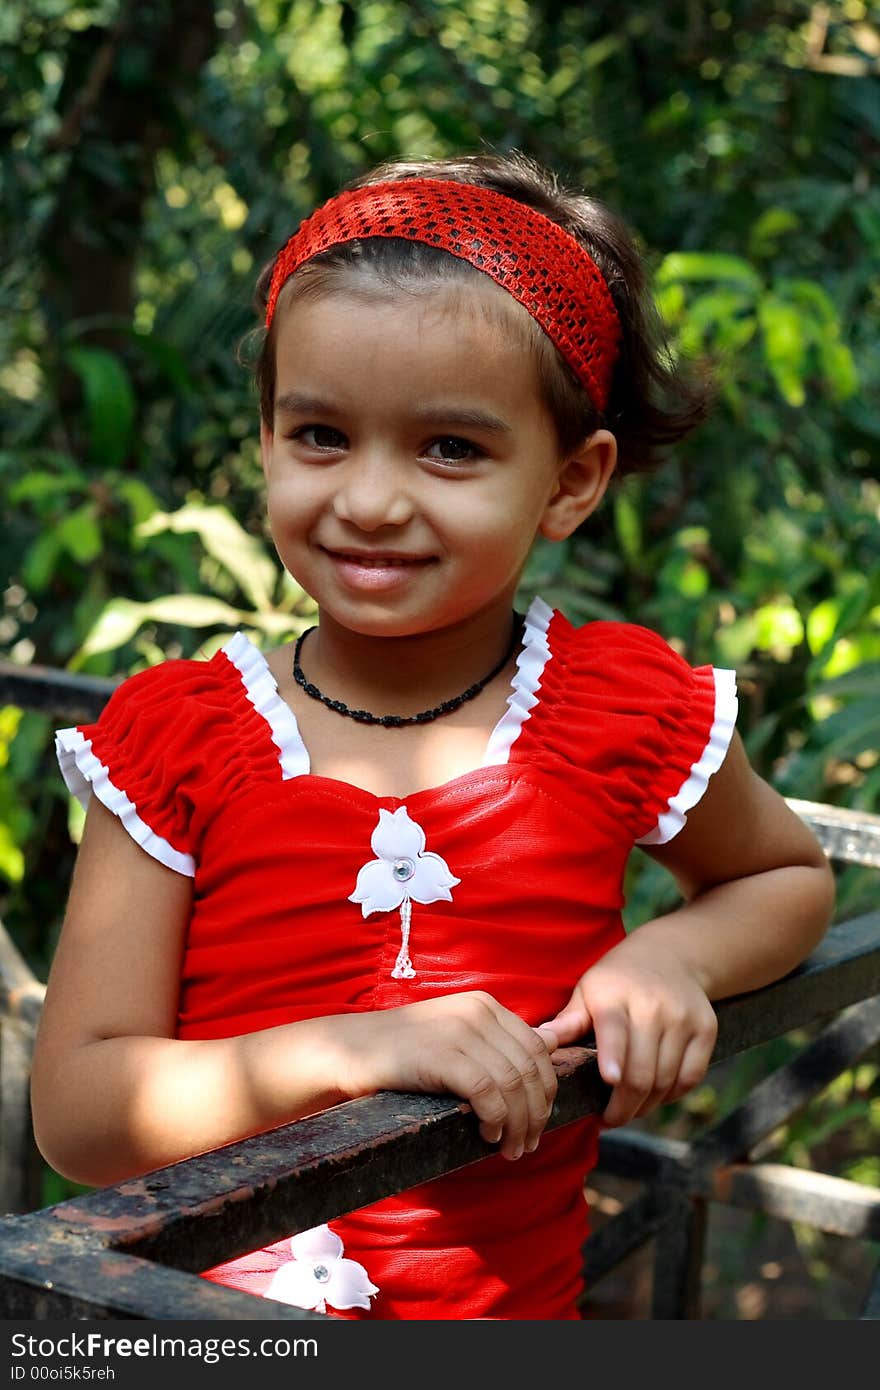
point(373, 492)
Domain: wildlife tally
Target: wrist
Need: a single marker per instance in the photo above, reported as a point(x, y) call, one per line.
point(670, 936)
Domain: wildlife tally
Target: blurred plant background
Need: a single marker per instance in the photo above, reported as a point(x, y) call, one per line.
point(153, 157)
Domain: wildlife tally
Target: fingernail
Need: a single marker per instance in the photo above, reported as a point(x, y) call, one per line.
point(611, 1072)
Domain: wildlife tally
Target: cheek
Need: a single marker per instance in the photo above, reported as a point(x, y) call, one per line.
point(508, 514)
point(290, 501)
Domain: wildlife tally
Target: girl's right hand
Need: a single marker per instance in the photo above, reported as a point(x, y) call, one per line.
point(467, 1044)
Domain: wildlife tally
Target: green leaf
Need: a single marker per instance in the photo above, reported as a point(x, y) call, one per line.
point(722, 314)
point(195, 610)
point(11, 856)
point(141, 500)
point(708, 265)
point(853, 730)
point(784, 346)
point(838, 368)
point(863, 681)
point(110, 403)
point(35, 486)
point(809, 295)
point(168, 360)
point(40, 561)
point(770, 226)
point(628, 527)
point(779, 627)
point(80, 534)
point(822, 624)
point(242, 554)
point(121, 619)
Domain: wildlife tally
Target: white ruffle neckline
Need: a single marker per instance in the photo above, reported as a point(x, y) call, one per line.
point(261, 689)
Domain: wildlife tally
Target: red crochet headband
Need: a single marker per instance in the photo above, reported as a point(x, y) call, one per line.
point(539, 263)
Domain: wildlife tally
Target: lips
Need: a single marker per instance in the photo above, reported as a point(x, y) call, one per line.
point(376, 559)
point(376, 572)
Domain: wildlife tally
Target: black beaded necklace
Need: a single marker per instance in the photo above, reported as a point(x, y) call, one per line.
point(397, 721)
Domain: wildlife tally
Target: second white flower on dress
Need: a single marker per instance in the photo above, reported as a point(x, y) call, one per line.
point(403, 872)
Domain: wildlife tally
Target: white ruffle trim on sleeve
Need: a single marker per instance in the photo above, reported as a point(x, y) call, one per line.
point(262, 691)
point(84, 773)
point(671, 821)
point(533, 657)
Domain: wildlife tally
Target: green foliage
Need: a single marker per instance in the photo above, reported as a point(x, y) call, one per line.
point(129, 466)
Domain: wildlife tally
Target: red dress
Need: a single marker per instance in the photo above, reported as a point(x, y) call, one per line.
point(608, 739)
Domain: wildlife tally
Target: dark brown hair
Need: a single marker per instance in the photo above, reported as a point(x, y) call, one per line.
point(654, 401)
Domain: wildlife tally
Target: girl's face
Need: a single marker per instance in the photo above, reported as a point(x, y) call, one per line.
point(412, 462)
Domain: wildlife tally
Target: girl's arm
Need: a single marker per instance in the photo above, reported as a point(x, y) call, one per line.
point(114, 1093)
point(759, 896)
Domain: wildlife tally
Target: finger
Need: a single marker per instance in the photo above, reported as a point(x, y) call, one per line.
point(549, 1037)
point(534, 1087)
point(694, 1064)
point(638, 1070)
point(670, 1054)
point(613, 1029)
point(491, 1079)
point(530, 1049)
point(471, 1072)
point(571, 1023)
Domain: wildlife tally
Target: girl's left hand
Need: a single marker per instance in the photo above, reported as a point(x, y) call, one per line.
point(654, 1026)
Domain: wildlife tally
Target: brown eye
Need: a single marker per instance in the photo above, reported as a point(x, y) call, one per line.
point(452, 449)
point(320, 436)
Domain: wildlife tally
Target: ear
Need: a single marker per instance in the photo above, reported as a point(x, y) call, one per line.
point(580, 486)
point(266, 439)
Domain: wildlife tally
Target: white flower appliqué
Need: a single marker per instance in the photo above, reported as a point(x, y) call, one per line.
point(317, 1275)
point(403, 872)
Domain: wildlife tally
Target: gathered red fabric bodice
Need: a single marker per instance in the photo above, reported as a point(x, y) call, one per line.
point(608, 739)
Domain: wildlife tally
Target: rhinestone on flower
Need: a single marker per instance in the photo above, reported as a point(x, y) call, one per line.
point(403, 869)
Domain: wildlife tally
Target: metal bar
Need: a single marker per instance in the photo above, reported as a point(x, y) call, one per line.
point(640, 1156)
point(679, 1248)
point(212, 1208)
point(21, 994)
point(777, 1098)
point(625, 1232)
point(19, 1167)
point(62, 694)
point(844, 968)
point(830, 1204)
point(66, 1278)
point(846, 836)
point(192, 1214)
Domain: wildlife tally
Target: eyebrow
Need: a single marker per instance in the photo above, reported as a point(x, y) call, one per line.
point(467, 417)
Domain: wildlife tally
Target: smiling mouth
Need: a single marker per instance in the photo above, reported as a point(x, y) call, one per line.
point(377, 561)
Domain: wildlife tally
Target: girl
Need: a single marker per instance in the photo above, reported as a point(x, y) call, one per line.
point(391, 857)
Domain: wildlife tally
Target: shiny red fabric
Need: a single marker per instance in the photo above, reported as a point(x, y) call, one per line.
point(538, 262)
point(540, 845)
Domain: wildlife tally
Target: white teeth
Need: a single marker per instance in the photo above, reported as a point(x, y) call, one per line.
point(371, 562)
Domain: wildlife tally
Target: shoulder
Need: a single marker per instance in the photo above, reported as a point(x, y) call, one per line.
point(169, 681)
point(628, 664)
point(150, 737)
point(191, 691)
point(618, 698)
point(623, 641)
